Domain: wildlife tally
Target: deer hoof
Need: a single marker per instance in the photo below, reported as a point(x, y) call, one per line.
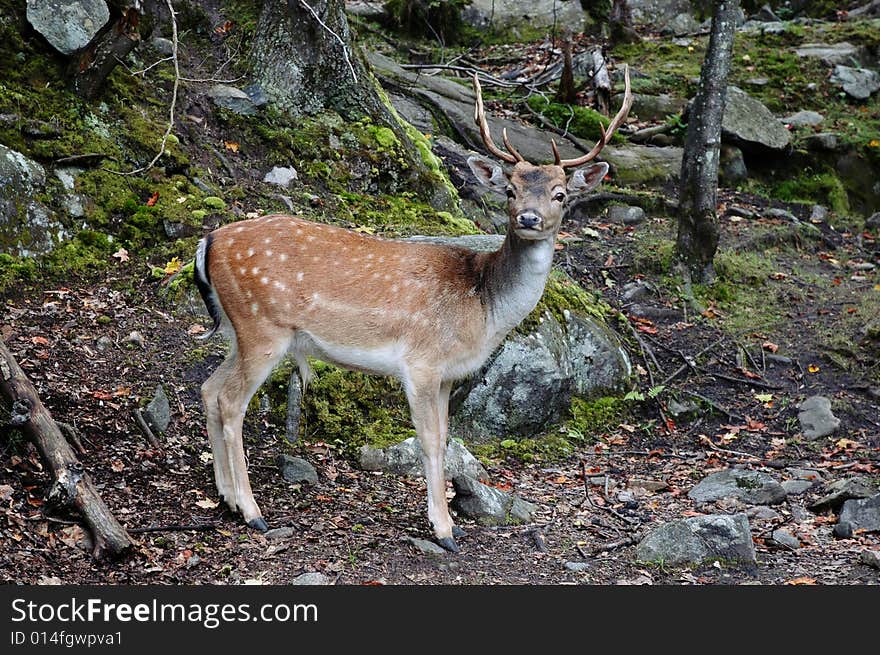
point(258, 524)
point(449, 544)
point(457, 532)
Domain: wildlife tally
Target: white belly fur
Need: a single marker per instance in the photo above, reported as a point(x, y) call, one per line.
point(386, 359)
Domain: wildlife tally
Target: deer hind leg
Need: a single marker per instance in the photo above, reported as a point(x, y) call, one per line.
point(445, 391)
point(210, 393)
point(428, 400)
point(246, 373)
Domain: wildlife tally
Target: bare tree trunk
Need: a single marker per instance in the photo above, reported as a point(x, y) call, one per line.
point(621, 23)
point(565, 94)
point(601, 82)
point(697, 218)
point(72, 487)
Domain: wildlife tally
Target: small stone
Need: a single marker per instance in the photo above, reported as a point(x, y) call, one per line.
point(858, 83)
point(796, 487)
point(427, 547)
point(297, 470)
point(647, 484)
point(684, 408)
point(752, 487)
point(816, 418)
point(232, 99)
point(488, 505)
point(134, 338)
point(804, 119)
point(828, 54)
point(626, 214)
point(822, 142)
point(783, 214)
point(577, 567)
point(786, 538)
point(763, 513)
point(70, 25)
point(256, 94)
point(312, 578)
point(742, 212)
point(280, 533)
point(806, 474)
point(697, 539)
point(104, 343)
point(871, 558)
point(818, 214)
point(157, 413)
point(873, 222)
point(162, 45)
point(860, 514)
point(281, 175)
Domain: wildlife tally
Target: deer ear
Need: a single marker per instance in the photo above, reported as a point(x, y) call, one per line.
point(488, 174)
point(587, 178)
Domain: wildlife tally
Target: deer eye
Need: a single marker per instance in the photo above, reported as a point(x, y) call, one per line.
point(559, 197)
point(511, 194)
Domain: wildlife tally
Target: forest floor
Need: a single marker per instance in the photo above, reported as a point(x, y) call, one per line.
point(96, 348)
point(352, 524)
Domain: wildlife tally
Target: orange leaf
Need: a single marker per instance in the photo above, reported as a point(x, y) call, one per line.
point(40, 341)
point(231, 145)
point(812, 368)
point(153, 199)
point(647, 329)
point(801, 581)
point(769, 345)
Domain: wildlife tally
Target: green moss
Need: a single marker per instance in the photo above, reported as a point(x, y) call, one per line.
point(561, 294)
point(345, 409)
point(591, 417)
point(824, 188)
point(582, 122)
point(384, 137)
point(213, 202)
point(399, 215)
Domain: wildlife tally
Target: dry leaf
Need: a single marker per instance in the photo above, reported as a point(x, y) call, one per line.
point(117, 465)
point(801, 581)
point(153, 198)
point(232, 146)
point(196, 329)
point(206, 503)
point(121, 255)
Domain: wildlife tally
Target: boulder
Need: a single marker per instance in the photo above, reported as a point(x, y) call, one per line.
point(839, 491)
point(27, 227)
point(281, 175)
point(830, 54)
point(69, 25)
point(529, 382)
point(804, 118)
point(488, 505)
point(749, 124)
point(405, 458)
point(656, 107)
point(453, 103)
point(816, 418)
point(858, 83)
point(506, 14)
point(732, 170)
point(658, 13)
point(312, 578)
point(698, 539)
point(752, 487)
point(626, 214)
point(232, 99)
point(862, 515)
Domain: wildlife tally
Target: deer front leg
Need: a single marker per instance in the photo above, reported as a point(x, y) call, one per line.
point(428, 401)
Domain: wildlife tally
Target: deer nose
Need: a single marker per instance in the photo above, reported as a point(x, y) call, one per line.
point(528, 220)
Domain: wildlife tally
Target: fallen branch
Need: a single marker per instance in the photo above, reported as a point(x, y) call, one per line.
point(619, 543)
point(145, 428)
point(72, 486)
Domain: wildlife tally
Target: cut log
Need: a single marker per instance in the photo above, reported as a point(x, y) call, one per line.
point(601, 82)
point(105, 53)
point(72, 487)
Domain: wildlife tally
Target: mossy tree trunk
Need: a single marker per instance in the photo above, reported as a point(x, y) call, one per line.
point(303, 59)
point(698, 235)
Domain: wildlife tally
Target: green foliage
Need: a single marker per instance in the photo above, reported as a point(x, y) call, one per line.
point(824, 188)
point(591, 417)
point(582, 122)
point(561, 294)
point(399, 215)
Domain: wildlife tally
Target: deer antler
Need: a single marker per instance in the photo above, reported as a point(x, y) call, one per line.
point(511, 157)
point(606, 134)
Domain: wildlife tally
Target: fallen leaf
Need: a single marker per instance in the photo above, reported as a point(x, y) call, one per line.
point(812, 368)
point(196, 328)
point(153, 198)
point(117, 465)
point(40, 341)
point(763, 397)
point(207, 503)
point(769, 345)
point(232, 146)
point(801, 581)
point(173, 266)
point(121, 255)
point(5, 492)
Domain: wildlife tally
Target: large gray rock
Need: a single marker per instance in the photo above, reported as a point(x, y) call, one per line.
point(529, 382)
point(656, 107)
point(698, 539)
point(488, 505)
point(752, 487)
point(453, 103)
point(405, 458)
point(839, 491)
point(69, 25)
point(502, 14)
point(858, 83)
point(804, 118)
point(312, 578)
point(232, 99)
point(863, 514)
point(830, 54)
point(749, 123)
point(658, 13)
point(281, 175)
point(816, 418)
point(27, 228)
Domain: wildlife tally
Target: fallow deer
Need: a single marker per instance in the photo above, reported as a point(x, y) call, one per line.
point(426, 314)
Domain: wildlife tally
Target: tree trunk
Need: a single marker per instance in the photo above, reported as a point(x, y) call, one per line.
point(697, 219)
point(72, 487)
point(566, 94)
point(303, 59)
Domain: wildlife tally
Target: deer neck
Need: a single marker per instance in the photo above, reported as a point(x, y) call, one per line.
point(514, 282)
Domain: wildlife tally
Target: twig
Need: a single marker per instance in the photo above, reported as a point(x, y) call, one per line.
point(164, 143)
point(145, 428)
point(714, 405)
point(84, 158)
point(308, 8)
point(648, 132)
point(749, 381)
point(577, 143)
point(72, 435)
point(689, 363)
point(619, 543)
point(204, 527)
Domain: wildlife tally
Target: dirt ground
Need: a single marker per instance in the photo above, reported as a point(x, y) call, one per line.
point(352, 524)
